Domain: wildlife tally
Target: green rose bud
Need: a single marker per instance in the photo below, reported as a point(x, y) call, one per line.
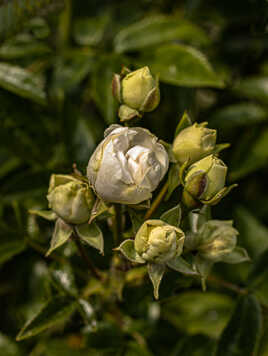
point(204, 181)
point(193, 143)
point(158, 242)
point(137, 90)
point(70, 198)
point(216, 239)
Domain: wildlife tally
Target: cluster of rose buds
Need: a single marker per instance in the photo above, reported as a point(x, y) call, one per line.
point(126, 168)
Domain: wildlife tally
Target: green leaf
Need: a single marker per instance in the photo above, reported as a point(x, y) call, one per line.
point(258, 272)
point(8, 347)
point(136, 220)
point(220, 195)
point(263, 351)
point(253, 234)
point(253, 88)
point(13, 14)
point(156, 272)
point(10, 164)
point(168, 148)
point(242, 114)
point(136, 349)
point(194, 312)
point(23, 83)
point(180, 265)
point(183, 66)
point(197, 345)
point(184, 122)
point(60, 346)
point(172, 216)
point(46, 214)
point(63, 278)
point(182, 172)
point(98, 209)
point(144, 205)
point(91, 234)
point(173, 179)
point(155, 30)
point(89, 31)
point(238, 255)
point(256, 158)
point(72, 68)
point(128, 250)
point(198, 217)
point(23, 46)
point(87, 312)
point(220, 147)
point(62, 232)
point(53, 313)
point(242, 334)
point(11, 249)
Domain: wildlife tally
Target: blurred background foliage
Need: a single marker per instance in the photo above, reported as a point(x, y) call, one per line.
point(56, 65)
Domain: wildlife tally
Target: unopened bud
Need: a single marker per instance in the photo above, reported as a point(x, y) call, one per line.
point(70, 198)
point(205, 179)
point(158, 242)
point(137, 90)
point(217, 239)
point(193, 143)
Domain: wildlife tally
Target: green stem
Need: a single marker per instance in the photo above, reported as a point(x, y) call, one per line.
point(117, 224)
point(85, 257)
point(157, 201)
point(64, 25)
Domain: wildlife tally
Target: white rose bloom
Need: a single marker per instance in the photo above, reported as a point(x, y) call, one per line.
point(127, 165)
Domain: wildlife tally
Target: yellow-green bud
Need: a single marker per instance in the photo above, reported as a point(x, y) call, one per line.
point(70, 198)
point(136, 86)
point(217, 239)
point(137, 91)
point(193, 143)
point(158, 242)
point(205, 178)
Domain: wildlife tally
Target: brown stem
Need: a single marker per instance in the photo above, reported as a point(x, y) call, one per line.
point(157, 201)
point(219, 283)
point(228, 285)
point(85, 257)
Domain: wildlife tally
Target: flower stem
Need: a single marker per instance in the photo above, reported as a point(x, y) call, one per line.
point(228, 285)
point(85, 257)
point(157, 201)
point(117, 224)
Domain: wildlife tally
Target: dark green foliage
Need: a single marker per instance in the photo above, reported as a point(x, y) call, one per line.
point(57, 63)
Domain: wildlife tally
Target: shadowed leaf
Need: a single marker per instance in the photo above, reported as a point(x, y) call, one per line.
point(53, 313)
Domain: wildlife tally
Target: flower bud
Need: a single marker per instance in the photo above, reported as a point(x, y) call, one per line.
point(137, 90)
point(127, 165)
point(216, 239)
point(204, 179)
point(193, 143)
point(158, 242)
point(70, 198)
